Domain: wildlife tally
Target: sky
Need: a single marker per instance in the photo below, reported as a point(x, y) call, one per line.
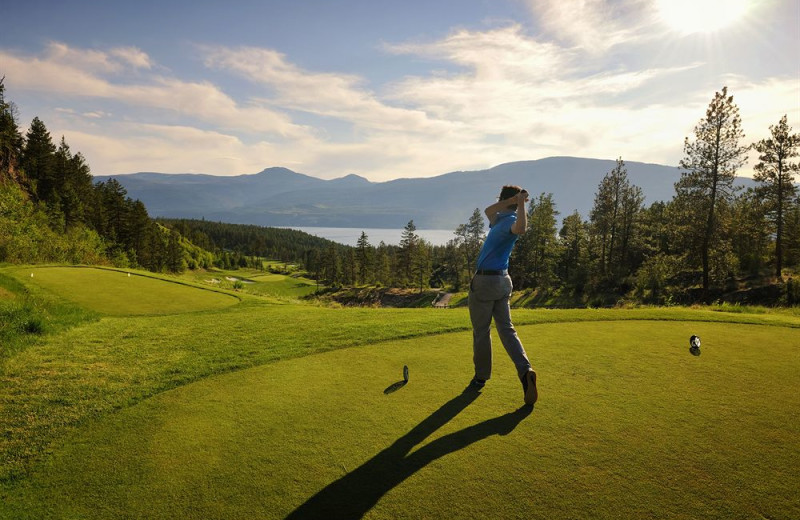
point(392, 89)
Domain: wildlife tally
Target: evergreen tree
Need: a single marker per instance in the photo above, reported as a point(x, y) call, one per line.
point(776, 172)
point(573, 262)
point(409, 242)
point(792, 232)
point(614, 216)
point(113, 198)
point(534, 259)
point(383, 265)
point(710, 163)
point(630, 242)
point(364, 253)
point(749, 237)
point(421, 264)
point(175, 260)
point(451, 264)
point(72, 183)
point(332, 266)
point(350, 268)
point(140, 226)
point(37, 161)
point(469, 239)
point(11, 141)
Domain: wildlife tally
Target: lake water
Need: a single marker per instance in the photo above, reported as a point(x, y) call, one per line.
point(349, 236)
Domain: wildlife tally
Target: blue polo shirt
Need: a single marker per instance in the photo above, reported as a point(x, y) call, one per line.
point(499, 242)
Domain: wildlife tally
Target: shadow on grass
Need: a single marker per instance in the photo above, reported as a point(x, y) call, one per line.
point(394, 387)
point(353, 495)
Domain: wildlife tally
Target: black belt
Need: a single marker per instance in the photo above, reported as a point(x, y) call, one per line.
point(492, 273)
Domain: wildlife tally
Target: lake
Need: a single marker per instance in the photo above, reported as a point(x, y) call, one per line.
point(349, 236)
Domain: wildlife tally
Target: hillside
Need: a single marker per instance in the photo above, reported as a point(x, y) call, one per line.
point(281, 197)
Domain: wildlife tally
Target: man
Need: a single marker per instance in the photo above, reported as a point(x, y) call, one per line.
point(490, 291)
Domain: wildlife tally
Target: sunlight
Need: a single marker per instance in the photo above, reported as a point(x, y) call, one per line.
point(693, 16)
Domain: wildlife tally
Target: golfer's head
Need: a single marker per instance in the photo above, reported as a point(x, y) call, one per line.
point(509, 191)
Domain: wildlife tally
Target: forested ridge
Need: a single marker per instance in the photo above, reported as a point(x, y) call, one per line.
point(711, 242)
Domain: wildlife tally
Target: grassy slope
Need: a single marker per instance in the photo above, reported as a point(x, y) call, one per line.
point(125, 293)
point(68, 380)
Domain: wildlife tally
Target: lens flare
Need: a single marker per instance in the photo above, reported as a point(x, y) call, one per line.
point(700, 16)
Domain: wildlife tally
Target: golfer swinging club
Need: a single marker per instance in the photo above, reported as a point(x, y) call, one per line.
point(490, 290)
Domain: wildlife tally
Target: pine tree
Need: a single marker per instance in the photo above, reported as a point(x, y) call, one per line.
point(749, 237)
point(542, 233)
point(383, 265)
point(616, 210)
point(535, 256)
point(474, 235)
point(72, 184)
point(37, 161)
point(11, 141)
point(710, 163)
point(409, 242)
point(574, 251)
point(792, 230)
point(421, 264)
point(364, 253)
point(776, 173)
point(332, 266)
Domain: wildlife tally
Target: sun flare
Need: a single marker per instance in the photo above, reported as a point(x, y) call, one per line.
point(694, 16)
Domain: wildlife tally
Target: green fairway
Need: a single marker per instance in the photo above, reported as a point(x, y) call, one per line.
point(259, 283)
point(629, 425)
point(118, 293)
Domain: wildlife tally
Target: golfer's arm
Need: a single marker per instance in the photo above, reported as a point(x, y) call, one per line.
point(521, 224)
point(492, 211)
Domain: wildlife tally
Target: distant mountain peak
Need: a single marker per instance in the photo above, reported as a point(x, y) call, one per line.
point(275, 170)
point(351, 179)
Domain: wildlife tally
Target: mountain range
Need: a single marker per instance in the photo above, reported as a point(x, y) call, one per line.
point(281, 197)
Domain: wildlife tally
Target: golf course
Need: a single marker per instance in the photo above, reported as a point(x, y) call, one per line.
point(135, 395)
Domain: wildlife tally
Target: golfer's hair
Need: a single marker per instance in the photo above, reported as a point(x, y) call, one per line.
point(508, 192)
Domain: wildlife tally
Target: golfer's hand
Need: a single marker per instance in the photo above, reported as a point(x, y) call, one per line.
point(522, 197)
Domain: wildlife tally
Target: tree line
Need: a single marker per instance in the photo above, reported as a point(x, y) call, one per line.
point(52, 211)
point(703, 242)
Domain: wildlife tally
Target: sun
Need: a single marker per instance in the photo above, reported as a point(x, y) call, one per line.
point(700, 16)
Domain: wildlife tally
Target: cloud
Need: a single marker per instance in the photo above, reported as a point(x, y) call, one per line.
point(132, 56)
point(537, 96)
point(595, 25)
point(340, 96)
point(69, 72)
point(173, 149)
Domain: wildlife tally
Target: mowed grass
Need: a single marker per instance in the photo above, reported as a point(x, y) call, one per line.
point(629, 425)
point(125, 293)
point(281, 286)
point(255, 282)
point(61, 394)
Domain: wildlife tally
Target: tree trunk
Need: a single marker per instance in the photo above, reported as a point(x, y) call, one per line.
point(778, 236)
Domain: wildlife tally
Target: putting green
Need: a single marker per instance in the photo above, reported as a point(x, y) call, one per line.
point(629, 424)
point(118, 293)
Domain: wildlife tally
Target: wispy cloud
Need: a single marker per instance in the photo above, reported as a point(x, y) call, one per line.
point(337, 95)
point(82, 73)
point(595, 25)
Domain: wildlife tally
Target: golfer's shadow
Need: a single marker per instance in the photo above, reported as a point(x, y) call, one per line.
point(354, 494)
